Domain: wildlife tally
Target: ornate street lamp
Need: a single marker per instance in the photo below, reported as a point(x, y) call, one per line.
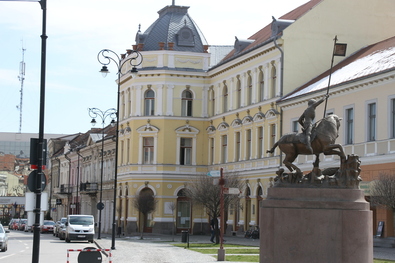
point(94, 113)
point(134, 59)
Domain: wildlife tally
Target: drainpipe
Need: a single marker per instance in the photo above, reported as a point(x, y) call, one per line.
point(281, 90)
point(78, 181)
point(69, 196)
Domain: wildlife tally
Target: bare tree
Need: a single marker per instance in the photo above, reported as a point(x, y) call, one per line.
point(145, 203)
point(382, 191)
point(203, 191)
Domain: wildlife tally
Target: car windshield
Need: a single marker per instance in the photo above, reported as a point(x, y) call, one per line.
point(49, 223)
point(1, 230)
point(81, 220)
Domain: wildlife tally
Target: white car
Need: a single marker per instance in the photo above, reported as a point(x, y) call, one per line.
point(3, 239)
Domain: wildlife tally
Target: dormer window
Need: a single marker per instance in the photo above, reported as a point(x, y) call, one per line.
point(185, 37)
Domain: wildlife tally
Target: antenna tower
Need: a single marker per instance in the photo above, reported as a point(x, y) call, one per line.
point(21, 78)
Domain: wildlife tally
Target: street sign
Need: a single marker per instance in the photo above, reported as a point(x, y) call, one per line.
point(214, 173)
point(100, 206)
point(231, 191)
point(32, 181)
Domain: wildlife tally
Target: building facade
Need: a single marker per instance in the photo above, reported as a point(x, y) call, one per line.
point(181, 117)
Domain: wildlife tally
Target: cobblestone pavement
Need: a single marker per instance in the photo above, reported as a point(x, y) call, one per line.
point(159, 249)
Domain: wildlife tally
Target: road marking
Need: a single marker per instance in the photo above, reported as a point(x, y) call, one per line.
point(7, 256)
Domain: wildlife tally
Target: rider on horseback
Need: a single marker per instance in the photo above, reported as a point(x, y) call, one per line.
point(307, 118)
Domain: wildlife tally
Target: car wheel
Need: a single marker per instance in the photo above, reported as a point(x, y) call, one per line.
point(67, 240)
point(90, 241)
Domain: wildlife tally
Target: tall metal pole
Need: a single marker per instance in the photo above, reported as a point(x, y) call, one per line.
point(135, 59)
point(101, 179)
point(114, 224)
point(94, 113)
point(40, 154)
point(221, 251)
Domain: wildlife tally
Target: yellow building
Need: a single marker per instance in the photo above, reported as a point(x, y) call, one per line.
point(180, 118)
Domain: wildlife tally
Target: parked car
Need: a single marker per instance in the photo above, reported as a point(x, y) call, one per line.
point(28, 228)
point(80, 227)
point(58, 225)
point(3, 238)
point(15, 224)
point(62, 232)
point(21, 224)
point(47, 226)
point(12, 222)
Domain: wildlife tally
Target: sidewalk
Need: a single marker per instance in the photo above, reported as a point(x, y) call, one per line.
point(158, 248)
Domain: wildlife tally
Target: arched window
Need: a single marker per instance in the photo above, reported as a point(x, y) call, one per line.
point(225, 99)
point(212, 100)
point(238, 94)
point(149, 103)
point(186, 103)
point(274, 80)
point(261, 87)
point(249, 90)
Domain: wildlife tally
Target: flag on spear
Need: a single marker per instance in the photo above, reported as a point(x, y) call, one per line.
point(339, 49)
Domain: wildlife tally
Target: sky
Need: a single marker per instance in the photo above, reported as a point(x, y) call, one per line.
point(77, 30)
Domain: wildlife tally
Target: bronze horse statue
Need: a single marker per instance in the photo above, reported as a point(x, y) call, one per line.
point(323, 139)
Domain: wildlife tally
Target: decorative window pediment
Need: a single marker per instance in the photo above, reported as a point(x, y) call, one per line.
point(210, 129)
point(223, 126)
point(187, 129)
point(272, 113)
point(259, 117)
point(236, 123)
point(148, 128)
point(247, 120)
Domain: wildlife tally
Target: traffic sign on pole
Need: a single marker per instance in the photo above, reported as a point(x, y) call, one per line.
point(214, 173)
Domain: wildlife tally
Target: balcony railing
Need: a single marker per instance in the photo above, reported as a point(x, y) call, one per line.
point(88, 188)
point(65, 189)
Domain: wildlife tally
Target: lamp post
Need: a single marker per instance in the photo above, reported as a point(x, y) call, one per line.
point(134, 59)
point(94, 113)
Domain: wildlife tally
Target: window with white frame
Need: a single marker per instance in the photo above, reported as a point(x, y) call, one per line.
point(212, 100)
point(211, 150)
point(272, 135)
point(273, 80)
point(238, 94)
point(186, 151)
point(237, 146)
point(295, 126)
point(224, 151)
point(349, 129)
point(248, 144)
point(149, 103)
point(260, 142)
point(225, 99)
point(249, 90)
point(372, 121)
point(261, 87)
point(186, 103)
point(148, 150)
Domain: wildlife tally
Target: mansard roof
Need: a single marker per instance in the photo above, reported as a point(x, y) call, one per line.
point(174, 25)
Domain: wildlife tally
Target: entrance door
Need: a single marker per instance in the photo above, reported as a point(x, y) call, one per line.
point(183, 212)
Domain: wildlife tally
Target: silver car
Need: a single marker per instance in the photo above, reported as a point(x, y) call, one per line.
point(3, 239)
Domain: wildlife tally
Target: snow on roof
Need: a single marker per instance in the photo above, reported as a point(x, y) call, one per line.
point(376, 62)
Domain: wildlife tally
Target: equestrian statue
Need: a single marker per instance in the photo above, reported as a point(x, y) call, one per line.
point(315, 138)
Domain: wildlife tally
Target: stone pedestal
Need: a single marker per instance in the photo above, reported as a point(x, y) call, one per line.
point(315, 225)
